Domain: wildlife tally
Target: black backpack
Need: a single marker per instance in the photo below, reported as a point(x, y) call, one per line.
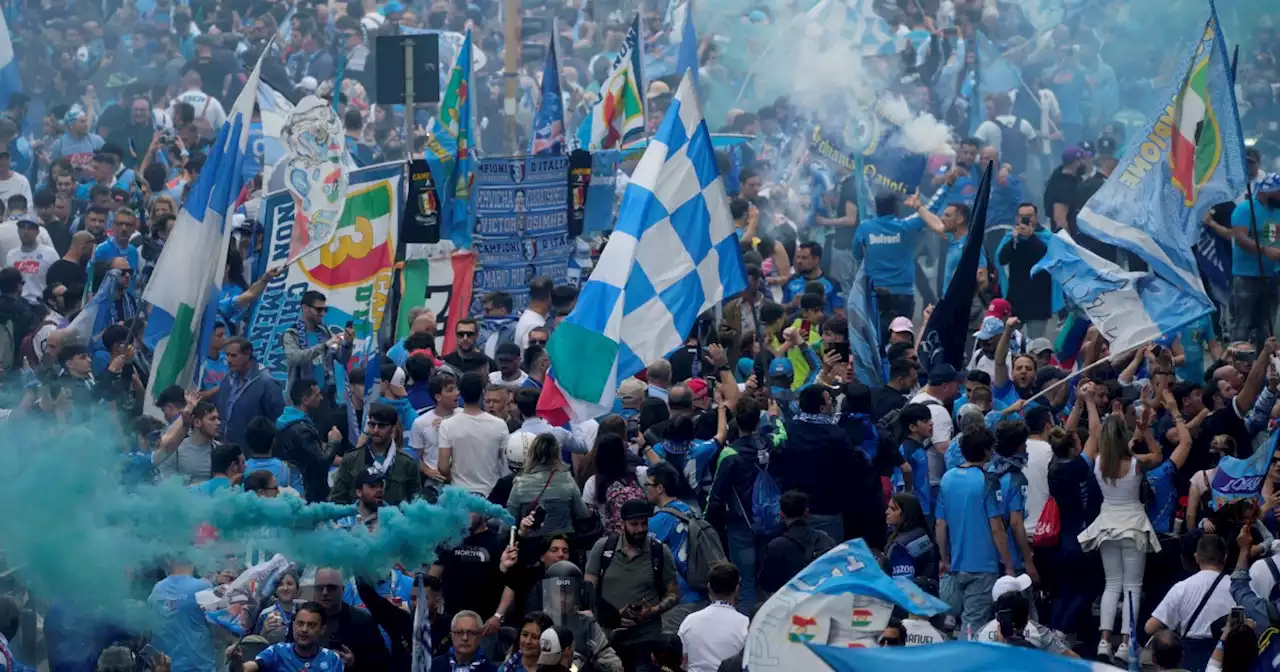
point(608, 616)
point(1013, 145)
point(889, 427)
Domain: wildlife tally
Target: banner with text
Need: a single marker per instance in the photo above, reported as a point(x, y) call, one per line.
point(522, 225)
point(353, 270)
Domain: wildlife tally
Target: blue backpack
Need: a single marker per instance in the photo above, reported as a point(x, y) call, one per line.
point(766, 505)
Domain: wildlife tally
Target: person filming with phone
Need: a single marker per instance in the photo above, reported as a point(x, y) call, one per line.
point(1030, 294)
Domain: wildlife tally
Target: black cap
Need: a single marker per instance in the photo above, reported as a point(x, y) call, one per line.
point(942, 374)
point(635, 509)
point(369, 477)
point(1107, 145)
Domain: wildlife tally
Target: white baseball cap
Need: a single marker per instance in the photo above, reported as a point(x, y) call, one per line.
point(1010, 584)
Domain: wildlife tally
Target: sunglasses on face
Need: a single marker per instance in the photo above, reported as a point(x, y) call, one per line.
point(466, 334)
point(328, 587)
point(320, 309)
point(374, 424)
point(541, 344)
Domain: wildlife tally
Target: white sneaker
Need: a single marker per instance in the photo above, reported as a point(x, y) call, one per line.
point(1122, 655)
point(1104, 649)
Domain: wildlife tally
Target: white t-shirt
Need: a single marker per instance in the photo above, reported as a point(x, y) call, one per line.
point(943, 429)
point(34, 266)
point(9, 239)
point(424, 436)
point(989, 131)
point(14, 185)
point(206, 106)
point(712, 635)
point(1037, 635)
point(495, 378)
point(479, 444)
point(1261, 579)
point(1039, 455)
point(529, 320)
point(922, 633)
point(1183, 598)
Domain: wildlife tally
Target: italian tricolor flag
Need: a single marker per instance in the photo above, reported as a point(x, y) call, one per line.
point(1194, 144)
point(585, 387)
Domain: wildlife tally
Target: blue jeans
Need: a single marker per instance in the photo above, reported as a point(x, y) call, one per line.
point(969, 595)
point(744, 550)
point(831, 524)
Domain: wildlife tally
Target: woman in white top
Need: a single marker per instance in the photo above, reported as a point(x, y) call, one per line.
point(1122, 533)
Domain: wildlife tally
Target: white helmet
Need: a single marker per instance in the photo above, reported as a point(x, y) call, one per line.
point(518, 448)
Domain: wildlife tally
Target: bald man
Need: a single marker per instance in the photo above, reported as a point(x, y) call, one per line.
point(421, 321)
point(69, 271)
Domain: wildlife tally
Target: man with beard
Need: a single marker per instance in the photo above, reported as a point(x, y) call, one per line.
point(370, 486)
point(634, 576)
point(808, 268)
point(347, 629)
point(379, 453)
point(135, 126)
point(309, 623)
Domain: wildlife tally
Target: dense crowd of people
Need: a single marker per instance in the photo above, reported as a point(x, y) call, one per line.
point(1048, 510)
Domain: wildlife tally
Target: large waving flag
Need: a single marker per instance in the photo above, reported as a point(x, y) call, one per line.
point(856, 22)
point(948, 327)
point(187, 281)
point(449, 149)
point(953, 657)
point(618, 117)
point(1128, 308)
point(842, 598)
point(10, 81)
point(673, 254)
point(548, 121)
point(95, 317)
point(1189, 158)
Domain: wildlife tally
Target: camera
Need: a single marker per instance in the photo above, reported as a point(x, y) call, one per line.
point(1025, 220)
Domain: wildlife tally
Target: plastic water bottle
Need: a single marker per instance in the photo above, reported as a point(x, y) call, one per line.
point(29, 378)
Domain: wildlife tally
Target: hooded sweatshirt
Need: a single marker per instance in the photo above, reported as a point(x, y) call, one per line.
point(306, 449)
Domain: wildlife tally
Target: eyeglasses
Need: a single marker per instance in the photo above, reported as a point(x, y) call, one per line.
point(465, 334)
point(465, 633)
point(319, 309)
point(126, 271)
point(328, 587)
point(374, 424)
point(541, 344)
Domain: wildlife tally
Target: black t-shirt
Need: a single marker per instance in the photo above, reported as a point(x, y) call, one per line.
point(471, 578)
point(1221, 421)
point(69, 274)
point(1070, 190)
point(842, 237)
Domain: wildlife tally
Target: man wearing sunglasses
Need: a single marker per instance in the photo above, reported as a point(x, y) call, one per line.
point(467, 355)
point(377, 452)
point(348, 630)
point(311, 351)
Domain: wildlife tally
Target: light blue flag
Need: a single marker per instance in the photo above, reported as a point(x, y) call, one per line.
point(1189, 157)
point(1129, 308)
point(548, 121)
point(864, 328)
point(10, 81)
point(952, 657)
point(1240, 479)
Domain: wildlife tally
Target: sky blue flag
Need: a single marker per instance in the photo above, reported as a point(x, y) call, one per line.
point(952, 657)
point(1241, 478)
point(1189, 157)
point(864, 328)
point(1129, 308)
point(688, 58)
point(10, 81)
point(548, 121)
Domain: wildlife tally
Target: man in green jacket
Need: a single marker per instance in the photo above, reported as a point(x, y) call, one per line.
point(376, 450)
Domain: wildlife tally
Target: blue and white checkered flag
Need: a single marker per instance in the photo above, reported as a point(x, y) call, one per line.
point(673, 254)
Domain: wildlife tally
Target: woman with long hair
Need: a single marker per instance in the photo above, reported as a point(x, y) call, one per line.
point(911, 551)
point(1121, 533)
point(545, 483)
point(616, 480)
